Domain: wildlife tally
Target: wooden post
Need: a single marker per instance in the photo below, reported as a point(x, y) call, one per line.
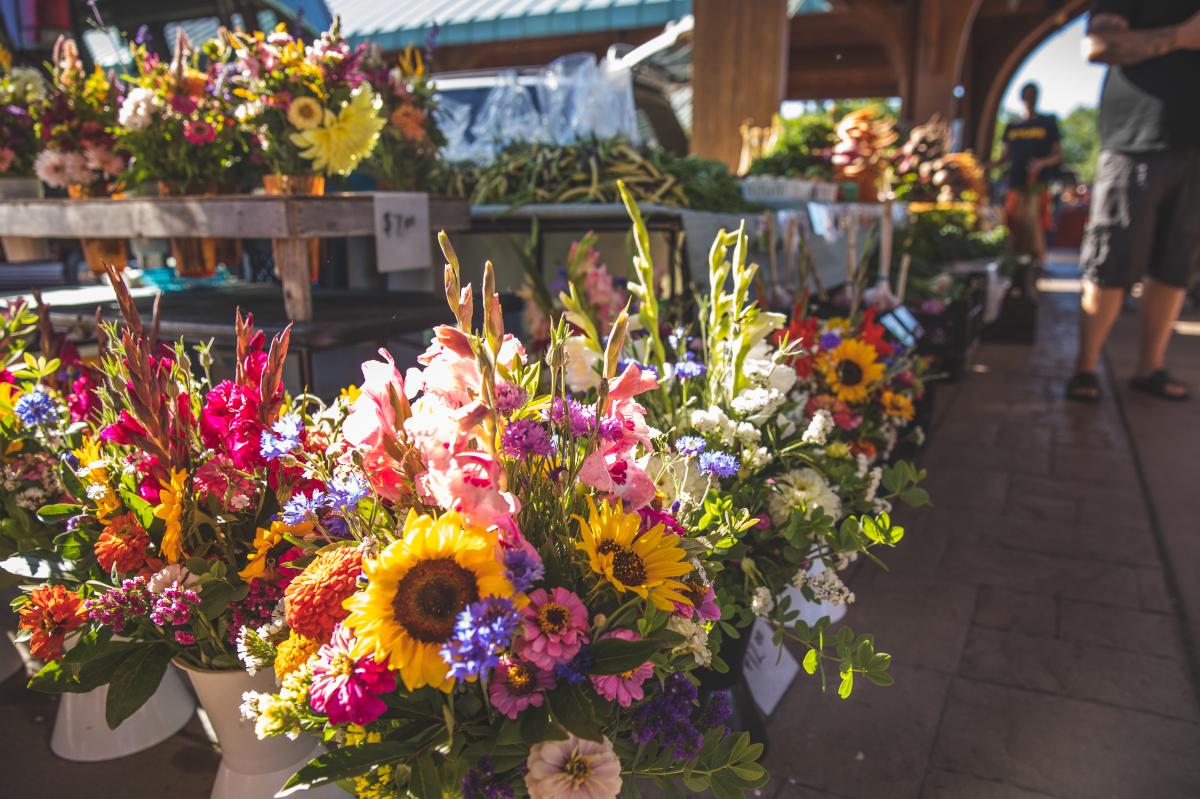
point(739, 71)
point(943, 30)
point(291, 260)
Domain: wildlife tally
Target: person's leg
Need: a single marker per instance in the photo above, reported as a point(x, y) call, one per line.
point(1161, 304)
point(1099, 306)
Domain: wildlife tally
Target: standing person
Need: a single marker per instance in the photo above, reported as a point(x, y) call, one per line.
point(1145, 212)
point(1032, 148)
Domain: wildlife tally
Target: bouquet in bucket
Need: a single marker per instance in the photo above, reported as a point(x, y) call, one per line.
point(310, 107)
point(511, 611)
point(177, 121)
point(406, 157)
point(76, 126)
point(22, 91)
point(174, 501)
point(737, 432)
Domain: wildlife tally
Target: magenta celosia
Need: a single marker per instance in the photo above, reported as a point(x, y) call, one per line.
point(346, 688)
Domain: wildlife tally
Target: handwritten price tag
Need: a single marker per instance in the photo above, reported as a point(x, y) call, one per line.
point(402, 231)
point(769, 669)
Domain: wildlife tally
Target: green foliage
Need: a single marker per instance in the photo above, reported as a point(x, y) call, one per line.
point(1081, 142)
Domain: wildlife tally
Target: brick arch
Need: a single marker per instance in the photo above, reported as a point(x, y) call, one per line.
point(994, 72)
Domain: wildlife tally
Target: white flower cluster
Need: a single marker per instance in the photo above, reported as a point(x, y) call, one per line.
point(138, 109)
point(819, 428)
point(769, 380)
point(762, 602)
point(582, 360)
point(827, 586)
point(31, 498)
point(803, 488)
point(695, 639)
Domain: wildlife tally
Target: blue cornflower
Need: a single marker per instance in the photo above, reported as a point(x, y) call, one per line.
point(624, 363)
point(576, 671)
point(690, 445)
point(282, 438)
point(301, 508)
point(523, 568)
point(686, 370)
point(719, 464)
point(525, 438)
point(482, 632)
point(35, 408)
point(345, 493)
point(678, 337)
point(829, 341)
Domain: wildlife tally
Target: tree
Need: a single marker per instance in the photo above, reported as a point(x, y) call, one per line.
point(1081, 142)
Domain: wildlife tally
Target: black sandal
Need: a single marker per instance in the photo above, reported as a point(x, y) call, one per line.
point(1158, 384)
point(1084, 387)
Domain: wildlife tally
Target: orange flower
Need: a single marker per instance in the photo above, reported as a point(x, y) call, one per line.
point(313, 601)
point(864, 447)
point(122, 544)
point(410, 120)
point(292, 653)
point(51, 613)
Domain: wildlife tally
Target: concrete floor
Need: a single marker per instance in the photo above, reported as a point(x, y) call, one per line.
point(1035, 614)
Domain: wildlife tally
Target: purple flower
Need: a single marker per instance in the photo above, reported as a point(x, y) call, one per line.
point(255, 609)
point(576, 671)
point(581, 419)
point(345, 493)
point(672, 718)
point(174, 606)
point(36, 408)
point(509, 397)
point(481, 783)
point(523, 568)
point(525, 438)
point(690, 445)
point(301, 508)
point(718, 464)
point(686, 370)
point(282, 438)
point(119, 606)
point(830, 341)
point(625, 363)
point(482, 632)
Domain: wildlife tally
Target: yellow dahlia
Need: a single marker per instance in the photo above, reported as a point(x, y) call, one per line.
point(305, 113)
point(343, 139)
point(897, 405)
point(645, 564)
point(170, 510)
point(293, 652)
point(852, 370)
point(416, 588)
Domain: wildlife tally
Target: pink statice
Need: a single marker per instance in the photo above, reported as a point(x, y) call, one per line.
point(624, 688)
point(517, 685)
point(345, 688)
point(554, 627)
point(371, 428)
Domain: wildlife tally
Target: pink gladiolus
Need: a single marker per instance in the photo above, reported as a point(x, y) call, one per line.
point(372, 424)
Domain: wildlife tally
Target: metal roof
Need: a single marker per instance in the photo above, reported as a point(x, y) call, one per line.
point(396, 25)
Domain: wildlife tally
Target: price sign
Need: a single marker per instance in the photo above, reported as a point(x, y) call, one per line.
point(769, 669)
point(402, 231)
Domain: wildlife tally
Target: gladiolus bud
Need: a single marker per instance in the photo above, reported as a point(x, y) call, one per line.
point(616, 341)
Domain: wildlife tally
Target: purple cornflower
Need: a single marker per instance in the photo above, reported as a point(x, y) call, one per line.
point(509, 397)
point(482, 632)
point(301, 508)
point(690, 445)
point(119, 606)
point(481, 783)
point(718, 464)
point(525, 438)
point(345, 493)
point(523, 568)
point(576, 671)
point(686, 370)
point(35, 408)
point(830, 341)
point(282, 438)
point(174, 606)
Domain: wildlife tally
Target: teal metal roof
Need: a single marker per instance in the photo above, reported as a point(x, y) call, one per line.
point(394, 25)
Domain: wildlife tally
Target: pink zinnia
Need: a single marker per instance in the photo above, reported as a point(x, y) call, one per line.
point(344, 688)
point(197, 131)
point(704, 603)
point(624, 688)
point(516, 685)
point(553, 628)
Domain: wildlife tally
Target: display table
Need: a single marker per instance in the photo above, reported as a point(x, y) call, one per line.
point(288, 218)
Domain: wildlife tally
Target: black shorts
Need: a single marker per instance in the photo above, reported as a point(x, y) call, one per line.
point(1144, 219)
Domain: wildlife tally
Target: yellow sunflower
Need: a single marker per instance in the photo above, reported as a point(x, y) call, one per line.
point(170, 510)
point(645, 564)
point(897, 405)
point(852, 369)
point(305, 113)
point(416, 588)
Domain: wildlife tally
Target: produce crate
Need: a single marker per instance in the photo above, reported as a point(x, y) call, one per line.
point(950, 336)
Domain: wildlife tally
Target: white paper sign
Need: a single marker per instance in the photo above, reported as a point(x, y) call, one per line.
point(402, 231)
point(769, 669)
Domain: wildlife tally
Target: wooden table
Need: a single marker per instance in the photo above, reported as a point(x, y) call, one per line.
point(289, 220)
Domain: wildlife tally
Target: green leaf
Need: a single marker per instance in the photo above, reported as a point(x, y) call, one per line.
point(426, 780)
point(346, 762)
point(810, 661)
point(134, 681)
point(847, 684)
point(616, 655)
point(88, 665)
point(57, 512)
point(37, 565)
point(574, 712)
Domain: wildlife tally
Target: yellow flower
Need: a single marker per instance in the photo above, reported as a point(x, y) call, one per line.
point(343, 139)
point(305, 113)
point(9, 394)
point(265, 539)
point(293, 652)
point(416, 588)
point(93, 471)
point(897, 405)
point(170, 510)
point(852, 369)
point(645, 564)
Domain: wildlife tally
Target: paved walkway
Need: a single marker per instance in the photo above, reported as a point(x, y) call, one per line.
point(1038, 649)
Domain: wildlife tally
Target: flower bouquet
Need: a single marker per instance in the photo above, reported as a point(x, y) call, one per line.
point(510, 610)
point(22, 91)
point(406, 157)
point(310, 107)
point(737, 432)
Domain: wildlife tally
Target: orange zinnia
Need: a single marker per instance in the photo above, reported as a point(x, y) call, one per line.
point(51, 613)
point(122, 544)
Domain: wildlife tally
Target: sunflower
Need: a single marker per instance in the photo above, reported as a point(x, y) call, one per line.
point(852, 369)
point(305, 113)
point(897, 405)
point(343, 139)
point(415, 591)
point(170, 510)
point(645, 564)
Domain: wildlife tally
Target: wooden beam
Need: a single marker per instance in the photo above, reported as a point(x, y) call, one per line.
point(739, 71)
point(943, 30)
